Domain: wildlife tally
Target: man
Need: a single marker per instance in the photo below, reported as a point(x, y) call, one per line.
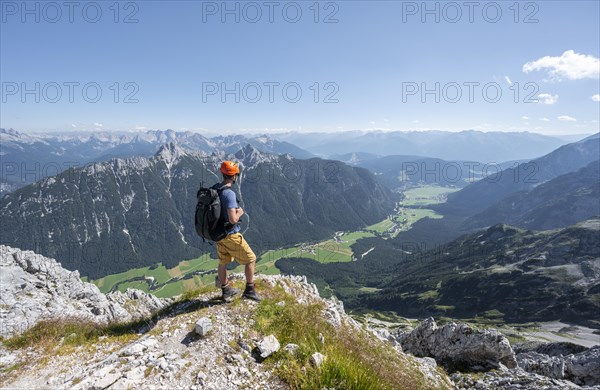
point(233, 246)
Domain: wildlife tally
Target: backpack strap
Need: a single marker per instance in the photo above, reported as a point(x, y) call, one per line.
point(220, 188)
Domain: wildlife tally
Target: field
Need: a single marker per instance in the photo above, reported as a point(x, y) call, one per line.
point(426, 195)
point(200, 272)
point(161, 281)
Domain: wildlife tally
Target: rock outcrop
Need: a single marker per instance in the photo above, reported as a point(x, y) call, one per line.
point(458, 346)
point(462, 349)
point(34, 288)
point(538, 363)
point(514, 379)
point(575, 363)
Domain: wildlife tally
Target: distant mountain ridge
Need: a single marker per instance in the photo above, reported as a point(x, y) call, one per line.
point(484, 193)
point(112, 216)
point(31, 157)
point(562, 201)
point(487, 147)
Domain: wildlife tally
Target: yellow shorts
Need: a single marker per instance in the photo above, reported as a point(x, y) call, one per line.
point(234, 246)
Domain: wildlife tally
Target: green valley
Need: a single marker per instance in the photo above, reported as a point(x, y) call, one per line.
point(199, 272)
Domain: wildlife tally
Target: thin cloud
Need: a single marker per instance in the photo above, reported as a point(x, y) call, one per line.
point(508, 80)
point(546, 98)
point(570, 66)
point(98, 124)
point(525, 118)
point(595, 97)
point(545, 119)
point(566, 118)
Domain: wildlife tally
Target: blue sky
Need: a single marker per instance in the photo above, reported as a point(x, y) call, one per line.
point(361, 65)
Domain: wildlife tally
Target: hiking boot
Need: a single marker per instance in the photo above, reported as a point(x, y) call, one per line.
point(250, 293)
point(229, 292)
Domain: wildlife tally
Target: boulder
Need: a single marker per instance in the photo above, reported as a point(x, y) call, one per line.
point(550, 366)
point(458, 346)
point(584, 367)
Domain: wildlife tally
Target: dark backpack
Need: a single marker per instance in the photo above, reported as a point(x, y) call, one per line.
point(210, 223)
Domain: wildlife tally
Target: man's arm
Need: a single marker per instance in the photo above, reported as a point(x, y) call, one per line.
point(235, 214)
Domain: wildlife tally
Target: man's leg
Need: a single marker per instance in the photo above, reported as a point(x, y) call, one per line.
point(246, 256)
point(222, 272)
point(225, 258)
point(249, 271)
point(250, 292)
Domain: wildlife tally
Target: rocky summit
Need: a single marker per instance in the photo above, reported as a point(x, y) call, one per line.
point(34, 288)
point(164, 349)
point(61, 332)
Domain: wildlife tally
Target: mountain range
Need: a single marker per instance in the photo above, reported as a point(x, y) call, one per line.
point(486, 147)
point(112, 216)
point(31, 157)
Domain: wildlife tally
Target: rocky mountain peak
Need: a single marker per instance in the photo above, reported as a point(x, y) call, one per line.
point(9, 131)
point(251, 156)
point(170, 152)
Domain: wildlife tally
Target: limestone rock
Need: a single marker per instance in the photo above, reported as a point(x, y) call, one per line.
point(317, 359)
point(514, 379)
point(584, 367)
point(203, 326)
point(291, 348)
point(34, 287)
point(550, 366)
point(268, 346)
point(459, 345)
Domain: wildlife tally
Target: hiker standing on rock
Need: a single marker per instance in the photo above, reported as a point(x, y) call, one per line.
point(234, 246)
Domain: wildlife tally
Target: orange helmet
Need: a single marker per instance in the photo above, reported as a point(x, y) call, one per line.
point(229, 168)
